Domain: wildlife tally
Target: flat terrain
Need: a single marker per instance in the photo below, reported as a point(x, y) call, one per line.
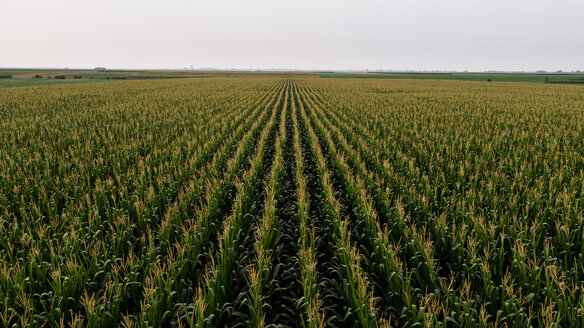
point(27, 77)
point(565, 78)
point(33, 77)
point(41, 75)
point(292, 201)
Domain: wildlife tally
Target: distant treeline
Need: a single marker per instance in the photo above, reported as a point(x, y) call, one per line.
point(410, 73)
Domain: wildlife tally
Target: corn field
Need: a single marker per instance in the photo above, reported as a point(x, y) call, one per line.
point(257, 202)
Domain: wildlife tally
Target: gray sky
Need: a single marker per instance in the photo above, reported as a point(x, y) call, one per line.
point(406, 34)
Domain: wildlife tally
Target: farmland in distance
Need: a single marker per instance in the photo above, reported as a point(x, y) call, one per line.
point(292, 201)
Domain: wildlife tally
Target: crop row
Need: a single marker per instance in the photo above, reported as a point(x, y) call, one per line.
point(297, 203)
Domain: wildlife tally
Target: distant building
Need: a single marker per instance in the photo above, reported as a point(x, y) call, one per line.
point(100, 68)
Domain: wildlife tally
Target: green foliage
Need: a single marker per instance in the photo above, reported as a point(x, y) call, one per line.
point(292, 202)
point(569, 78)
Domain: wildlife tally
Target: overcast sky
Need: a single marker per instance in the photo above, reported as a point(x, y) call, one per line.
point(474, 35)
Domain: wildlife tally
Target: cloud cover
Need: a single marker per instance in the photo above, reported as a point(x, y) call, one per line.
point(400, 35)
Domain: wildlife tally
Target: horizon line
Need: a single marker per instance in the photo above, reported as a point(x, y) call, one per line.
point(288, 70)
